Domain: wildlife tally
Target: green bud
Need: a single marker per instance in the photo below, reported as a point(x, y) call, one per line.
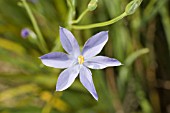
point(132, 6)
point(92, 5)
point(32, 37)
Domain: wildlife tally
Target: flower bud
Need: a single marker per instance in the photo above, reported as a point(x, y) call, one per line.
point(25, 33)
point(132, 6)
point(92, 5)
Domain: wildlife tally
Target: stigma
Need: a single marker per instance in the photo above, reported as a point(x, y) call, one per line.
point(80, 59)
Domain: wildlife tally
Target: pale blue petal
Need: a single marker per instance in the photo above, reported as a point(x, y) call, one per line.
point(100, 62)
point(95, 44)
point(57, 60)
point(67, 77)
point(68, 42)
point(87, 81)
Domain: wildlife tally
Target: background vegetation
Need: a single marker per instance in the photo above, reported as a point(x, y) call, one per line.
point(140, 41)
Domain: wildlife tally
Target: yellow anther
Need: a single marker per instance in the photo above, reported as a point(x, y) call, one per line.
point(80, 59)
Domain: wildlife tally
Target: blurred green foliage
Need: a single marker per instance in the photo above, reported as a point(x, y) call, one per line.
point(26, 86)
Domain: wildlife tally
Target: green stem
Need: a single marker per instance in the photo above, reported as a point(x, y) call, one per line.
point(35, 25)
point(70, 13)
point(80, 17)
point(101, 24)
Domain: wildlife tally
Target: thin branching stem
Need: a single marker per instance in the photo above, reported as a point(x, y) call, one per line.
point(101, 24)
point(36, 28)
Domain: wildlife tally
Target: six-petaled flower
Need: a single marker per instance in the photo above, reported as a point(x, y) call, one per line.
point(78, 62)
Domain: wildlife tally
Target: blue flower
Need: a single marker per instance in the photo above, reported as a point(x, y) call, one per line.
point(78, 62)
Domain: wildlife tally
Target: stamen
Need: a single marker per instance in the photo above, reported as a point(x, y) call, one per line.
point(80, 59)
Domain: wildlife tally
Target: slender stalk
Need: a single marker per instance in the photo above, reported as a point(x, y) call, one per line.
point(70, 13)
point(80, 17)
point(36, 28)
point(101, 24)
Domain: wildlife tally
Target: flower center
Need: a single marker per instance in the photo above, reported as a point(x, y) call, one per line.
point(80, 59)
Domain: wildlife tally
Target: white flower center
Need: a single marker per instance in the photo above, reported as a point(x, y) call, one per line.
point(80, 59)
